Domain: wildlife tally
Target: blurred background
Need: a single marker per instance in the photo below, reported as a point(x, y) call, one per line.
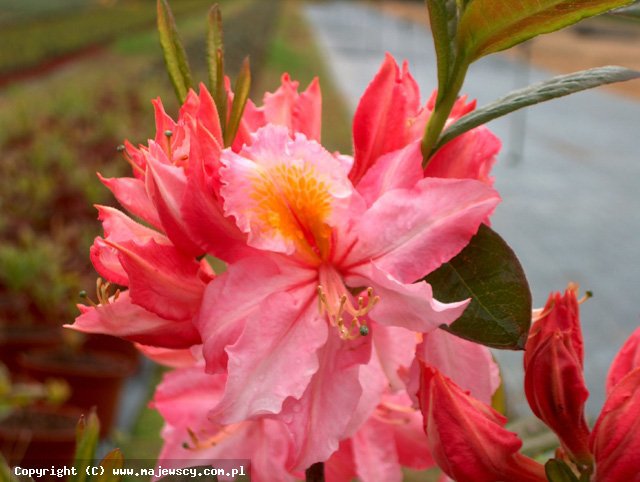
point(76, 80)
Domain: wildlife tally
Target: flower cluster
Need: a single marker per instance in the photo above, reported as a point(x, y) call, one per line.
point(279, 279)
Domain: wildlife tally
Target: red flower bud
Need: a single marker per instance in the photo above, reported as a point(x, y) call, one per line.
point(466, 437)
point(554, 382)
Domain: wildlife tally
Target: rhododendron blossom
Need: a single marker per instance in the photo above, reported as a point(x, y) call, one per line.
point(322, 255)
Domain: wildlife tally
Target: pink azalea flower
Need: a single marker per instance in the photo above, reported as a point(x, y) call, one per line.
point(392, 436)
point(390, 116)
point(292, 309)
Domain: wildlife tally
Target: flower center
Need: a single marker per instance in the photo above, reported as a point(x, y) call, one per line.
point(294, 203)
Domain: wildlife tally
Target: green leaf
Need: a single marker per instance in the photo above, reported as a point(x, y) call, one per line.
point(488, 272)
point(558, 471)
point(87, 433)
point(443, 17)
point(215, 60)
point(240, 96)
point(113, 460)
point(5, 470)
point(537, 93)
point(488, 26)
point(174, 54)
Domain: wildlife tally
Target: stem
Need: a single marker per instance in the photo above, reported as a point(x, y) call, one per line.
point(315, 473)
point(440, 114)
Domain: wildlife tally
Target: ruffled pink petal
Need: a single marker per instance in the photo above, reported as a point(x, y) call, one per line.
point(166, 185)
point(274, 358)
point(470, 156)
point(320, 418)
point(381, 123)
point(340, 466)
point(185, 396)
point(164, 123)
point(375, 455)
point(107, 263)
point(627, 359)
point(207, 114)
point(468, 364)
point(118, 228)
point(162, 279)
point(398, 169)
point(132, 194)
point(184, 399)
point(409, 306)
point(297, 112)
point(127, 320)
point(411, 232)
point(236, 296)
point(182, 358)
point(395, 348)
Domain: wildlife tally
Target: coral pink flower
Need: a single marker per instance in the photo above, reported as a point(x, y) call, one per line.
point(467, 438)
point(554, 382)
point(293, 308)
point(165, 286)
point(390, 117)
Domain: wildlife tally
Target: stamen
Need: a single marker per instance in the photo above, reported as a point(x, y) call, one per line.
point(123, 151)
point(357, 326)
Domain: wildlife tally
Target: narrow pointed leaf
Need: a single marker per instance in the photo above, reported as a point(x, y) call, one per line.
point(87, 433)
point(489, 26)
point(113, 460)
point(558, 471)
point(549, 89)
point(443, 17)
point(488, 272)
point(214, 44)
point(174, 55)
point(5, 471)
point(240, 96)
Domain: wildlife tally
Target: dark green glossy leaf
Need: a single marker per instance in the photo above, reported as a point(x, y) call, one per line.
point(488, 26)
point(174, 55)
point(240, 96)
point(558, 471)
point(443, 17)
point(488, 272)
point(535, 94)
